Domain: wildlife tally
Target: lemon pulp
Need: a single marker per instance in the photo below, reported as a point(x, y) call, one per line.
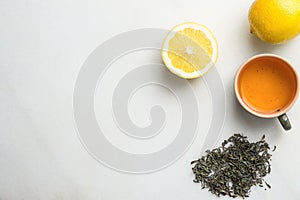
point(189, 50)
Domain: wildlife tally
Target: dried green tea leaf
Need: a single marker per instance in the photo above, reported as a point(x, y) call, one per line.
point(235, 167)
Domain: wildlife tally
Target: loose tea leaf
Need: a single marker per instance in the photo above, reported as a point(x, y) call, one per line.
point(235, 167)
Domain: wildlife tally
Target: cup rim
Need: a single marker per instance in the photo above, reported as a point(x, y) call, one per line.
point(245, 106)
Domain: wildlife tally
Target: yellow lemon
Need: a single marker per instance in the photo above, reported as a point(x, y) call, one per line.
point(189, 50)
point(275, 21)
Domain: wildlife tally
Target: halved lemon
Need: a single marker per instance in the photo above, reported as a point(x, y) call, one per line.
point(189, 50)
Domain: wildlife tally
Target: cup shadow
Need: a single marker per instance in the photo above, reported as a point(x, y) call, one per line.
point(258, 126)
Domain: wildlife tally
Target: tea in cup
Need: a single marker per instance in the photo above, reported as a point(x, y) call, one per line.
point(267, 86)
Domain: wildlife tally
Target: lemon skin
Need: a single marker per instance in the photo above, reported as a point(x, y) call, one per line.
point(275, 21)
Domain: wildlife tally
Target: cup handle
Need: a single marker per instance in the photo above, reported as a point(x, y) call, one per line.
point(285, 122)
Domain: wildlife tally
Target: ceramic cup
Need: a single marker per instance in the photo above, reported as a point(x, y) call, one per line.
point(267, 86)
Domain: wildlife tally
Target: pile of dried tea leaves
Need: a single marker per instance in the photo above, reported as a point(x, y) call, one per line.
point(235, 167)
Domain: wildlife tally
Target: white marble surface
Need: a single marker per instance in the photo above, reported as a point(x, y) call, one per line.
point(42, 47)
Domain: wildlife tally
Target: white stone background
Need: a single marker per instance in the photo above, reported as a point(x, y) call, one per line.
point(42, 47)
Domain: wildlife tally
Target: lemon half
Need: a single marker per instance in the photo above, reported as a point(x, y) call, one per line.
point(189, 50)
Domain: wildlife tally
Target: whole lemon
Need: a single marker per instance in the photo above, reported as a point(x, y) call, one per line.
point(275, 21)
